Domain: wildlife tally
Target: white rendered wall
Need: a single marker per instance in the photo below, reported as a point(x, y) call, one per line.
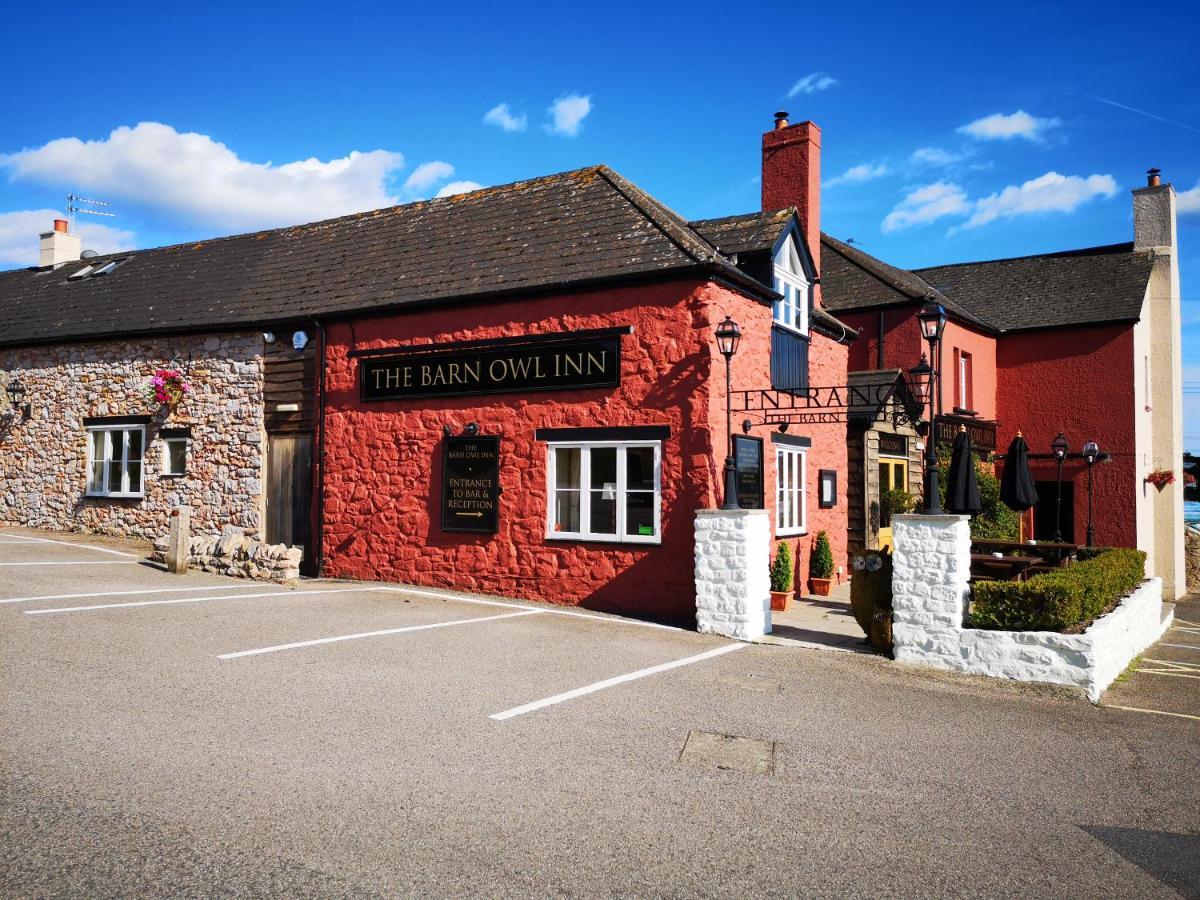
point(733, 587)
point(931, 565)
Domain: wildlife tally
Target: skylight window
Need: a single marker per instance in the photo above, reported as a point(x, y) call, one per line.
point(82, 273)
point(105, 268)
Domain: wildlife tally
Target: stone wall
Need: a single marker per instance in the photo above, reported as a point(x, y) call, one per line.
point(43, 477)
point(1192, 553)
point(732, 585)
point(232, 553)
point(931, 568)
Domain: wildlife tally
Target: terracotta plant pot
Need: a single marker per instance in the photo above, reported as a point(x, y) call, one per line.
point(781, 600)
point(820, 586)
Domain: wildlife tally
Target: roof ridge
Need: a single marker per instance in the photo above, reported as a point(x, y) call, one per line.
point(673, 226)
point(1098, 250)
point(761, 214)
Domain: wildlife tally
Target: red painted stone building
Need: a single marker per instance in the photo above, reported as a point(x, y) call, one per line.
point(1082, 342)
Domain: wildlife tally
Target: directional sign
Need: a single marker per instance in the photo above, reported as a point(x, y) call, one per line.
point(471, 484)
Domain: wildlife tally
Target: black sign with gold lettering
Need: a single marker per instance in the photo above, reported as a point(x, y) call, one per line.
point(471, 484)
point(545, 363)
point(748, 466)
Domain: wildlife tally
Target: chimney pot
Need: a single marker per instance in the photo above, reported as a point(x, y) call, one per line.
point(60, 225)
point(1152, 177)
point(781, 120)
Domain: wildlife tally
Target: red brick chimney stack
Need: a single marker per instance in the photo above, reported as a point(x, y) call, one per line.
point(791, 175)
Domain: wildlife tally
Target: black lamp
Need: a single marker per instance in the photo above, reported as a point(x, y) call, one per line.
point(932, 317)
point(920, 379)
point(1091, 453)
point(729, 335)
point(1060, 448)
point(16, 393)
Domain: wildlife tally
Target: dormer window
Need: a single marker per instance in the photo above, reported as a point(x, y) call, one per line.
point(790, 280)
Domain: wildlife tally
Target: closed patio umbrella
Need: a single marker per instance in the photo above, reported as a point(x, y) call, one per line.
point(962, 487)
point(1017, 489)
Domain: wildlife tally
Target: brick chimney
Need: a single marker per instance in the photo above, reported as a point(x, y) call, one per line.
point(1154, 213)
point(58, 246)
point(791, 175)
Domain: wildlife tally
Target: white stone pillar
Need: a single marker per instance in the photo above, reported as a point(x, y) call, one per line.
point(178, 540)
point(733, 585)
point(931, 568)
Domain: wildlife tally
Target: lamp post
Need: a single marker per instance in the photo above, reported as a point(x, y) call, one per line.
point(729, 335)
point(1060, 447)
point(1091, 453)
point(933, 321)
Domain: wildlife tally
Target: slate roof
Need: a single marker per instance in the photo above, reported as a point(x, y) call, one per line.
point(1077, 287)
point(747, 232)
point(565, 231)
point(852, 280)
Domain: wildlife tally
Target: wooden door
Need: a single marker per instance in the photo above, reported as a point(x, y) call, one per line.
point(289, 492)
point(893, 476)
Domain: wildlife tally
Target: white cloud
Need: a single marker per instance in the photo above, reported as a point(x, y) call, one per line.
point(927, 203)
point(567, 114)
point(1001, 127)
point(1188, 201)
point(935, 156)
point(1048, 193)
point(458, 187)
point(19, 232)
point(426, 175)
point(500, 115)
point(858, 174)
point(810, 84)
point(194, 178)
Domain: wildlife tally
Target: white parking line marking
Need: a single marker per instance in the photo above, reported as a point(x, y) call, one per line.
point(1157, 712)
point(37, 540)
point(613, 620)
point(1181, 646)
point(87, 562)
point(613, 682)
point(380, 633)
point(181, 590)
point(283, 593)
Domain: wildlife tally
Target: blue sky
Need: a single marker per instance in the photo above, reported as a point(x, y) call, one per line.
point(950, 133)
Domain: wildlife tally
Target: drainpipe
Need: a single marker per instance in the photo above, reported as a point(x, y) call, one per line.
point(879, 344)
point(320, 455)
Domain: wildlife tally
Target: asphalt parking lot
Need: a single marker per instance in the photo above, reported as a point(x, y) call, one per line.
point(199, 736)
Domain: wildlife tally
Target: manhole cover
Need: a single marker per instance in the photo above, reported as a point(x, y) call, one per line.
point(729, 752)
point(756, 683)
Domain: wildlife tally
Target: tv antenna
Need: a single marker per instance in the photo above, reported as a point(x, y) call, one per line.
point(73, 208)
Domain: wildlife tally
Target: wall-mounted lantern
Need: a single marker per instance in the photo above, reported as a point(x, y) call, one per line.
point(16, 396)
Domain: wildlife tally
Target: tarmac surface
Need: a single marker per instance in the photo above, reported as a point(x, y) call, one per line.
point(200, 736)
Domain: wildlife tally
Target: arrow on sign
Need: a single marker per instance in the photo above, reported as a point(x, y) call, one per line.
point(477, 515)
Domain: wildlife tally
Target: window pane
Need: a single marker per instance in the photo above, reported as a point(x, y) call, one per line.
point(96, 477)
point(639, 469)
point(135, 443)
point(566, 511)
point(566, 467)
point(135, 476)
point(176, 457)
point(604, 467)
point(604, 512)
point(639, 513)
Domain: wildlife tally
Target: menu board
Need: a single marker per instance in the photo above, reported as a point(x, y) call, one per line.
point(748, 466)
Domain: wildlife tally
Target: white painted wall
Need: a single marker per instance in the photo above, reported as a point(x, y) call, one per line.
point(930, 570)
point(733, 587)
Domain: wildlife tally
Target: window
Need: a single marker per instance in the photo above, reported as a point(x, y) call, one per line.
point(790, 281)
point(174, 461)
point(606, 491)
point(963, 388)
point(115, 460)
point(790, 473)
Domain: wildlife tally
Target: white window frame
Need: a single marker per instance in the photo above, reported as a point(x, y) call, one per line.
point(104, 489)
point(790, 280)
point(166, 455)
point(585, 492)
point(791, 518)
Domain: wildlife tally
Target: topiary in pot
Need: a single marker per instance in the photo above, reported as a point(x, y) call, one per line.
point(781, 579)
point(820, 567)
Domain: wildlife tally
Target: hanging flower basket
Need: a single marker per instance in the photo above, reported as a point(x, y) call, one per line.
point(168, 387)
point(1160, 478)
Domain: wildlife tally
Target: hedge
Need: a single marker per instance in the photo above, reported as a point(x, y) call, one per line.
point(1066, 599)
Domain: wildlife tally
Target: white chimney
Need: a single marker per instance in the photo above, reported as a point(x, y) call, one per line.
point(58, 246)
point(1154, 214)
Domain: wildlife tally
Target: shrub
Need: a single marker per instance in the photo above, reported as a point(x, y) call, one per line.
point(781, 569)
point(1066, 599)
point(821, 564)
point(895, 502)
point(996, 521)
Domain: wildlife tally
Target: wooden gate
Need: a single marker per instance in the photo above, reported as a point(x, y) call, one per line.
point(289, 492)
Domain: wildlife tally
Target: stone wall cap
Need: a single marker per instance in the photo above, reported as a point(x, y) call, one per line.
point(731, 513)
point(918, 518)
